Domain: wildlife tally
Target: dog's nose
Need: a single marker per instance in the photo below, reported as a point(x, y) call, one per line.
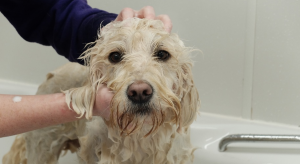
point(139, 92)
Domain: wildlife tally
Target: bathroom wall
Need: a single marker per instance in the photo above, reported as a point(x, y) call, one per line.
point(249, 61)
point(276, 79)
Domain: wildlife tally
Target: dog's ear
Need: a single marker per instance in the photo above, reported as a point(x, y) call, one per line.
point(49, 76)
point(190, 102)
point(81, 100)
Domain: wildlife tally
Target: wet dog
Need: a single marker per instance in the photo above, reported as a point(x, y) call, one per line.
point(154, 102)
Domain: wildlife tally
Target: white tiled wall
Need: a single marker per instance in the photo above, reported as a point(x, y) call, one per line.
point(249, 63)
point(22, 61)
point(276, 82)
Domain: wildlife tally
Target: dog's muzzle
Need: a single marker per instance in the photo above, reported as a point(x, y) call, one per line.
point(139, 92)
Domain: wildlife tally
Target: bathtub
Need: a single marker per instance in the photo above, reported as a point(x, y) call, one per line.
point(206, 133)
point(210, 129)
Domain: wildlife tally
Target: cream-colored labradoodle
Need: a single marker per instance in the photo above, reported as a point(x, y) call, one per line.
point(154, 103)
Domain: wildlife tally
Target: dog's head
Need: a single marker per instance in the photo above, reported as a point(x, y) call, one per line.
point(149, 71)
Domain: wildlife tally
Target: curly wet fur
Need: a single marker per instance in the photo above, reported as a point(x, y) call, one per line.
point(160, 135)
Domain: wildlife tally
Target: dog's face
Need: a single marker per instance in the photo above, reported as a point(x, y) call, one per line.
point(149, 71)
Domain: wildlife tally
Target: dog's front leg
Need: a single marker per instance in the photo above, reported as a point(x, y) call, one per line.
point(44, 146)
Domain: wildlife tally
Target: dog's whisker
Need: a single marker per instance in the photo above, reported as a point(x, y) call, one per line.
point(117, 114)
point(162, 116)
point(134, 128)
point(162, 113)
point(126, 122)
point(154, 126)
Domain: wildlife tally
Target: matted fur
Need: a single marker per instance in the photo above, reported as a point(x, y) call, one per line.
point(159, 136)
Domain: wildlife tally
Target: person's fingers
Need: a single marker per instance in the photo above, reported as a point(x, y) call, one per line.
point(146, 12)
point(102, 102)
point(166, 21)
point(125, 14)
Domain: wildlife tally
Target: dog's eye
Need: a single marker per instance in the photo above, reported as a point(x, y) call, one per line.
point(162, 55)
point(115, 57)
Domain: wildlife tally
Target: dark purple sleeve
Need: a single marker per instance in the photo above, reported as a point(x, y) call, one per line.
point(66, 25)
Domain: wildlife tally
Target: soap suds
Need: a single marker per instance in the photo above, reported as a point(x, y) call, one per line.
point(17, 99)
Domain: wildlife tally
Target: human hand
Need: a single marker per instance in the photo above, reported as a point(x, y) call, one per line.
point(147, 13)
point(102, 102)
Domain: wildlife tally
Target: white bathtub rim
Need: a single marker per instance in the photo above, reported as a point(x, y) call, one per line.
point(17, 88)
point(247, 121)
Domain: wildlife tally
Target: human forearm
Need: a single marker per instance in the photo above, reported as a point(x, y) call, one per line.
point(33, 112)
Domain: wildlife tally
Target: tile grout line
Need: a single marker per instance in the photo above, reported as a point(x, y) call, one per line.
point(249, 60)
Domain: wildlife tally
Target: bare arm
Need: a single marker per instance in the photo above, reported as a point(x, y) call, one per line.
point(39, 111)
point(32, 112)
